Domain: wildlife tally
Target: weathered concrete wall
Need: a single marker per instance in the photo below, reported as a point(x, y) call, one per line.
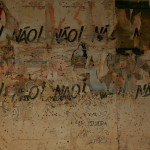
point(75, 75)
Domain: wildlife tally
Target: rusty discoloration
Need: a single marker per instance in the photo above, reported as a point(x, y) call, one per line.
point(74, 75)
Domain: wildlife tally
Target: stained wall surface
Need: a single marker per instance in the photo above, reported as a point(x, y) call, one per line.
point(74, 75)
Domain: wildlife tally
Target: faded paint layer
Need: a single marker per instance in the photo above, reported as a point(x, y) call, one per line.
point(74, 75)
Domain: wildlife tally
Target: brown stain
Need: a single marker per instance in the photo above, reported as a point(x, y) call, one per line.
point(77, 14)
point(60, 23)
point(52, 18)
